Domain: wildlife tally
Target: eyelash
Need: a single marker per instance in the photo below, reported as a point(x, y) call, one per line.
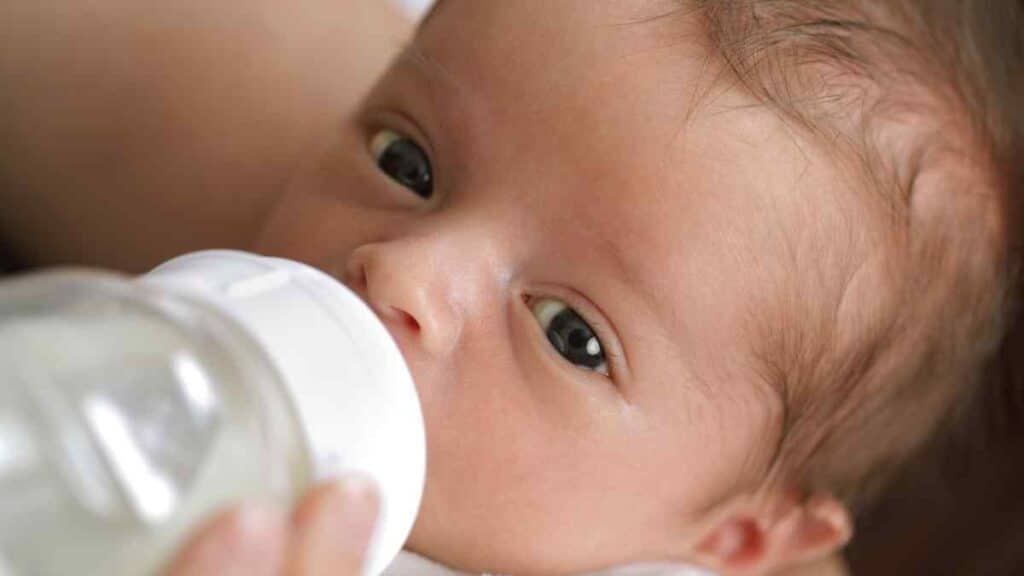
point(386, 117)
point(613, 356)
point(404, 161)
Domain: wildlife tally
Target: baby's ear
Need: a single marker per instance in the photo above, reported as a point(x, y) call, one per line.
point(756, 537)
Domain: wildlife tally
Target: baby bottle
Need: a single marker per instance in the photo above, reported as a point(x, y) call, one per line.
point(133, 409)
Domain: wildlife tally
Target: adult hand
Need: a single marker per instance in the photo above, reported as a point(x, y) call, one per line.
point(327, 533)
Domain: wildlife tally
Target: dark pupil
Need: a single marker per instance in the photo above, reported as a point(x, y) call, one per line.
point(569, 334)
point(406, 162)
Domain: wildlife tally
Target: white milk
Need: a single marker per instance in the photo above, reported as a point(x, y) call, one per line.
point(131, 411)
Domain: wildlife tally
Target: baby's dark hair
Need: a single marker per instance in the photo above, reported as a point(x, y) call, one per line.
point(922, 101)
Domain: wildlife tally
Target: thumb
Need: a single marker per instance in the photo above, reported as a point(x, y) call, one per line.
point(332, 529)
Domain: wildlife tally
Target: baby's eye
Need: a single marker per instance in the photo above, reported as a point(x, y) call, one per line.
point(403, 161)
point(570, 334)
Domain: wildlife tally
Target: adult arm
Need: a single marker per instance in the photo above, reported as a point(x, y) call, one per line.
point(133, 131)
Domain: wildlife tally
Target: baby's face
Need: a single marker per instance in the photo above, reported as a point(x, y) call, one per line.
point(574, 292)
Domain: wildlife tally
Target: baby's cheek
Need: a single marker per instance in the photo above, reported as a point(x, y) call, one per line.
point(710, 437)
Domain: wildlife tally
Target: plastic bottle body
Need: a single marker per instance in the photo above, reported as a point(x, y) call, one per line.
point(127, 416)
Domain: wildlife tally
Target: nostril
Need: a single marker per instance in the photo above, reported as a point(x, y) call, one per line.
point(407, 319)
point(355, 277)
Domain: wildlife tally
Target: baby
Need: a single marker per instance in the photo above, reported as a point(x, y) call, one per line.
point(677, 280)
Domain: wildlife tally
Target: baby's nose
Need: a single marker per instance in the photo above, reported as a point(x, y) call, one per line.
point(401, 281)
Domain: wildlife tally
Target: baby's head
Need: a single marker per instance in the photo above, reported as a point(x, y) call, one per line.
point(676, 280)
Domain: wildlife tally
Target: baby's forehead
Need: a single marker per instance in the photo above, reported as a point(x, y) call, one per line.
point(606, 121)
point(562, 38)
point(629, 112)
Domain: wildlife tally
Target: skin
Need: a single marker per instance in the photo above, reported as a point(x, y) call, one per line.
point(134, 132)
point(585, 166)
point(327, 534)
point(598, 179)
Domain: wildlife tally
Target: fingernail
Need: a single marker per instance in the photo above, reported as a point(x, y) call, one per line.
point(358, 488)
point(359, 495)
point(340, 522)
point(349, 512)
point(257, 519)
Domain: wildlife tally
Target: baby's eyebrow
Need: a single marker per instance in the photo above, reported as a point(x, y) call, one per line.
point(621, 265)
point(415, 57)
point(448, 91)
point(446, 87)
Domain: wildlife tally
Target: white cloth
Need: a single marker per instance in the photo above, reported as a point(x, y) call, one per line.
point(409, 564)
point(415, 8)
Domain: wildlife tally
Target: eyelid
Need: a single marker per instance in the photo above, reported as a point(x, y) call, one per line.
point(618, 367)
point(377, 119)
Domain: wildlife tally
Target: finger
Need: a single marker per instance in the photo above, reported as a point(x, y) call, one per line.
point(332, 529)
point(244, 542)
